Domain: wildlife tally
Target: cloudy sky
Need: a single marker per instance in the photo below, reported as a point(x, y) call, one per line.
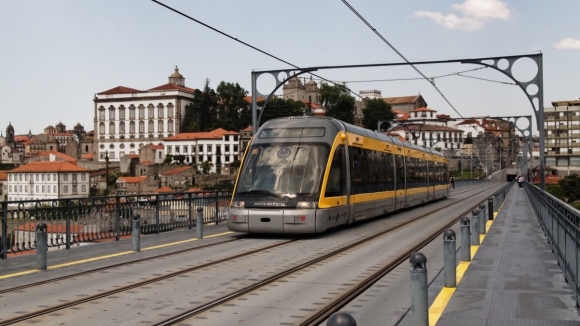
point(57, 54)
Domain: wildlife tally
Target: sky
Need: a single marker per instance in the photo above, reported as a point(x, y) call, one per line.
point(56, 55)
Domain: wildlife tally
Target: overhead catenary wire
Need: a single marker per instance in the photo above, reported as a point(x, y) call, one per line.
point(248, 45)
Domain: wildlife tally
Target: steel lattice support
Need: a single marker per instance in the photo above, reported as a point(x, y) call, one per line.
point(533, 88)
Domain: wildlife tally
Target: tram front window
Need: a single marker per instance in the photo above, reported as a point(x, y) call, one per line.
point(283, 173)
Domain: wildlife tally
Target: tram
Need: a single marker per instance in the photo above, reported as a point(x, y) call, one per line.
point(302, 175)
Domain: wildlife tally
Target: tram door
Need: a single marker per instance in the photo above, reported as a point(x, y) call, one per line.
point(337, 189)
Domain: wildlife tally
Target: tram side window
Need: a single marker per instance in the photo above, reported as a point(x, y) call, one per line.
point(432, 180)
point(422, 164)
point(400, 169)
point(388, 171)
point(410, 162)
point(372, 166)
point(381, 171)
point(359, 171)
point(336, 185)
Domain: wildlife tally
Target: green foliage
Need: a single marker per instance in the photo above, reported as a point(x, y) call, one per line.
point(112, 177)
point(206, 166)
point(556, 191)
point(234, 111)
point(168, 159)
point(220, 186)
point(377, 110)
point(179, 158)
point(7, 166)
point(235, 164)
point(338, 102)
point(202, 112)
point(571, 187)
point(468, 139)
point(279, 108)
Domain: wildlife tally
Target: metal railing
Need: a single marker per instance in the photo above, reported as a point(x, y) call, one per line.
point(561, 224)
point(470, 182)
point(82, 220)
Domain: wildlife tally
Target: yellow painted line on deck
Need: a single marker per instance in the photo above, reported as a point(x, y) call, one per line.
point(436, 309)
point(108, 256)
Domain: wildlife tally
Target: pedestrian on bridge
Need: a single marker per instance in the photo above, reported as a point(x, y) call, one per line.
point(452, 180)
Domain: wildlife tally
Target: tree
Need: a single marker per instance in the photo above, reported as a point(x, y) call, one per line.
point(202, 112)
point(168, 159)
point(234, 111)
point(468, 139)
point(206, 166)
point(571, 187)
point(376, 110)
point(338, 102)
point(279, 108)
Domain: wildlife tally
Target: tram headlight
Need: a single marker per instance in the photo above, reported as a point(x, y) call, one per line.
point(238, 204)
point(306, 204)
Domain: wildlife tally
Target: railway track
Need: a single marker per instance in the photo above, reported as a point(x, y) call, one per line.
point(315, 318)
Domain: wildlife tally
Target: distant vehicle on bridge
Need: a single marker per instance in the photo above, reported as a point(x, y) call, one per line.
point(310, 174)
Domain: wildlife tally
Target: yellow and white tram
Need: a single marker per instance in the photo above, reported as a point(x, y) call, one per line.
point(309, 174)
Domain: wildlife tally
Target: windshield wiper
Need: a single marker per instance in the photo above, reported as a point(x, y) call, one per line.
point(259, 191)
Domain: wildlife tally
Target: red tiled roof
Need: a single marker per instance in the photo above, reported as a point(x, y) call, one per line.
point(21, 138)
point(121, 90)
point(165, 189)
point(469, 122)
point(423, 110)
point(313, 105)
point(3, 175)
point(399, 112)
point(249, 99)
point(60, 155)
point(132, 155)
point(194, 190)
point(88, 156)
point(157, 146)
point(424, 127)
point(400, 99)
point(146, 163)
point(132, 179)
point(51, 228)
point(171, 86)
point(214, 134)
point(177, 171)
point(248, 128)
point(56, 166)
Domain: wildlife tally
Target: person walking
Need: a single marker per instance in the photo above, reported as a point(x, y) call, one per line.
point(521, 182)
point(452, 180)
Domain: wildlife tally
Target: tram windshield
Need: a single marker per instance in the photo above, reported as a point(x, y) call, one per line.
point(282, 173)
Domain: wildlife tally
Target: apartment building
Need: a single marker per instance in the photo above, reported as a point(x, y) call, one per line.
point(48, 180)
point(562, 136)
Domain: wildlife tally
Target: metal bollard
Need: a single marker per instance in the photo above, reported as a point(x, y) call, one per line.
point(490, 208)
point(419, 302)
point(199, 223)
point(465, 240)
point(482, 220)
point(449, 258)
point(475, 227)
point(41, 247)
point(136, 234)
point(341, 319)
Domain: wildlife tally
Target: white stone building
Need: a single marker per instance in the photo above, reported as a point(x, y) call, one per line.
point(48, 180)
point(126, 119)
point(220, 147)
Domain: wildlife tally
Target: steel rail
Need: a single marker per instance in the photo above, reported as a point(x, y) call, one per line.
point(210, 305)
point(323, 314)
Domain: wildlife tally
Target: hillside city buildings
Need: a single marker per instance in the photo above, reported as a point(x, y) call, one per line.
point(137, 134)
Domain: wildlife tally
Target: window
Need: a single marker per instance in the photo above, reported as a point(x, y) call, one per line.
point(169, 125)
point(122, 114)
point(83, 177)
point(170, 111)
point(111, 113)
point(65, 189)
point(151, 127)
point(37, 188)
point(111, 128)
point(43, 177)
point(185, 149)
point(74, 176)
point(141, 127)
point(227, 148)
point(84, 188)
point(65, 177)
point(54, 177)
point(160, 126)
point(151, 110)
point(132, 112)
point(132, 127)
point(160, 111)
point(209, 148)
point(193, 148)
point(101, 128)
point(43, 190)
point(235, 138)
point(10, 188)
point(141, 112)
point(74, 189)
point(121, 127)
point(168, 149)
point(37, 177)
point(200, 148)
point(101, 113)
point(177, 149)
point(227, 137)
point(112, 155)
